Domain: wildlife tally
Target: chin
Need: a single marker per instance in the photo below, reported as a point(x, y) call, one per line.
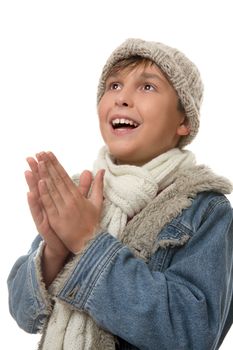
point(120, 151)
point(126, 159)
point(121, 158)
point(124, 155)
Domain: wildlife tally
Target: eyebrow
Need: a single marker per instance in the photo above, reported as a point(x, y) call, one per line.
point(144, 75)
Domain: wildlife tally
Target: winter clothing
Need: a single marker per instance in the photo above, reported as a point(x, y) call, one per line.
point(127, 190)
point(165, 282)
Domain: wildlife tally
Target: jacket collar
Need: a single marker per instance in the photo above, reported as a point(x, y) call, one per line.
point(141, 232)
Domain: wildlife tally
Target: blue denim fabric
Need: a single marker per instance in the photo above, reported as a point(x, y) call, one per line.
point(180, 299)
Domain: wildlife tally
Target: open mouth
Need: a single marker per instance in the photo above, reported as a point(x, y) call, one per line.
point(123, 123)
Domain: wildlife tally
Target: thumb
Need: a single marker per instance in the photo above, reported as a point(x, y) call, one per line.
point(96, 196)
point(85, 181)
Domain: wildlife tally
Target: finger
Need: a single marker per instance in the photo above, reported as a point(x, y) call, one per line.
point(39, 216)
point(85, 182)
point(60, 178)
point(49, 187)
point(96, 196)
point(33, 166)
point(32, 182)
point(59, 169)
point(32, 163)
point(35, 208)
point(47, 200)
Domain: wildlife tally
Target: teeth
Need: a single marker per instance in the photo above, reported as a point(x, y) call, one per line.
point(124, 121)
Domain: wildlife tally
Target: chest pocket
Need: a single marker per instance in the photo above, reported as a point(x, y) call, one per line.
point(172, 238)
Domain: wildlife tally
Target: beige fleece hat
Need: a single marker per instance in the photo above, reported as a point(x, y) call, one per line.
point(180, 71)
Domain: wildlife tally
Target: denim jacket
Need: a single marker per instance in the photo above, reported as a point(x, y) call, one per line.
point(180, 298)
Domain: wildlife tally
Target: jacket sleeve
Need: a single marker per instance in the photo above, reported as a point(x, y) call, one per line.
point(183, 306)
point(29, 301)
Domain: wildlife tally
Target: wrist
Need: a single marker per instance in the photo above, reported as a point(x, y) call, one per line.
point(52, 264)
point(81, 244)
point(55, 255)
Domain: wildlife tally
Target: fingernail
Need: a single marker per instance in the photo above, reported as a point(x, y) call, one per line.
point(38, 155)
point(41, 165)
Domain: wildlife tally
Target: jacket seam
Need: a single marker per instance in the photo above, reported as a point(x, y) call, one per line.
point(215, 202)
point(180, 227)
point(96, 270)
point(111, 254)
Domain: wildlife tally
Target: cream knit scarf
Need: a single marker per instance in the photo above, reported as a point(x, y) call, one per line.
point(127, 190)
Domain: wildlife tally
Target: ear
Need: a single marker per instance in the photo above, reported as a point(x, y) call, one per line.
point(183, 129)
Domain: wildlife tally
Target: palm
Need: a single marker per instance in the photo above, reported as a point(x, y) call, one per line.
point(38, 213)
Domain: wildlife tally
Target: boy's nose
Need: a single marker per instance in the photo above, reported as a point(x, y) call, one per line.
point(124, 99)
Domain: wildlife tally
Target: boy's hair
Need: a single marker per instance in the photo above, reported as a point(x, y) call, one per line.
point(179, 70)
point(134, 61)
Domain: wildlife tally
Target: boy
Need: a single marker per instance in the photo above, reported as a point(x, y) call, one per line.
point(143, 258)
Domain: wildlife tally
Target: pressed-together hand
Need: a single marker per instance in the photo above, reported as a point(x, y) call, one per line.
point(39, 215)
point(67, 211)
point(63, 213)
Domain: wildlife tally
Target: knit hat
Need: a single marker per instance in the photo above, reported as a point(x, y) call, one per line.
point(179, 70)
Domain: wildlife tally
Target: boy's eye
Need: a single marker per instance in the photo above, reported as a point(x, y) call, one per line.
point(114, 86)
point(149, 87)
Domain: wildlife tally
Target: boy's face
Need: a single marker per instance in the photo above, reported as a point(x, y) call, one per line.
point(138, 115)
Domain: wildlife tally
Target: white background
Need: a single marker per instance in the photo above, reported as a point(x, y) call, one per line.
point(51, 55)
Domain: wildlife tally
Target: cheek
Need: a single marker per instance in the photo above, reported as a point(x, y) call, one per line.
point(169, 115)
point(100, 115)
point(102, 109)
point(102, 118)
